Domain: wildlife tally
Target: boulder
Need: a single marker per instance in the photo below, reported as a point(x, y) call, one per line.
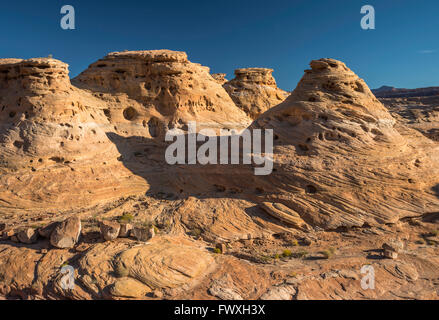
point(66, 234)
point(28, 236)
point(46, 231)
point(390, 254)
point(129, 288)
point(142, 234)
point(109, 230)
point(125, 230)
point(395, 245)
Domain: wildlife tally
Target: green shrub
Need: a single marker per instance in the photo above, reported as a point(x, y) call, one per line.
point(434, 233)
point(217, 250)
point(148, 225)
point(195, 233)
point(121, 271)
point(287, 253)
point(327, 254)
point(265, 259)
point(294, 243)
point(300, 254)
point(126, 218)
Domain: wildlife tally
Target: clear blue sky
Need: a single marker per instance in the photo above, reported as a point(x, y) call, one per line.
point(285, 35)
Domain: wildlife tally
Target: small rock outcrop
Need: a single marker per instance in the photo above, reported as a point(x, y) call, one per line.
point(220, 78)
point(254, 90)
point(66, 234)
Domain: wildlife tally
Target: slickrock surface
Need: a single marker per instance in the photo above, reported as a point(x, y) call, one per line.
point(254, 90)
point(348, 179)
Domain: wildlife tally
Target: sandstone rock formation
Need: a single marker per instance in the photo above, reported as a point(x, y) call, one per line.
point(168, 89)
point(93, 151)
point(50, 127)
point(254, 90)
point(338, 145)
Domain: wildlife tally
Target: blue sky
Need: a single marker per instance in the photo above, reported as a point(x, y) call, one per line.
point(402, 51)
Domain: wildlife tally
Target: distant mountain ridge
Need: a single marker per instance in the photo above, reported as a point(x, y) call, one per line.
point(392, 92)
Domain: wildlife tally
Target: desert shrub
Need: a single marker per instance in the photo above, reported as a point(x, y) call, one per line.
point(126, 218)
point(195, 232)
point(300, 254)
point(120, 270)
point(294, 243)
point(327, 254)
point(287, 253)
point(148, 225)
point(217, 250)
point(276, 256)
point(265, 259)
point(434, 233)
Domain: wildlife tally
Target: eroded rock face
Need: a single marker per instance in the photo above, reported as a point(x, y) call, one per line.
point(220, 78)
point(254, 90)
point(45, 121)
point(42, 74)
point(165, 84)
